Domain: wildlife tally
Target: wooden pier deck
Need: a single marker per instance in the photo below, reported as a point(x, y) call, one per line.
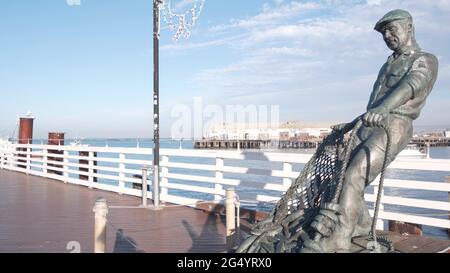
point(43, 215)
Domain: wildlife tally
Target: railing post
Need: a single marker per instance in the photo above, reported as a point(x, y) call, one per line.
point(144, 186)
point(10, 159)
point(101, 211)
point(66, 166)
point(121, 172)
point(45, 158)
point(287, 167)
point(28, 160)
point(230, 211)
point(447, 179)
point(219, 178)
point(91, 170)
point(164, 173)
point(156, 195)
point(380, 222)
point(2, 160)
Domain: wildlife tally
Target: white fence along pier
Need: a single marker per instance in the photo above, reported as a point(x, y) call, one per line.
point(189, 176)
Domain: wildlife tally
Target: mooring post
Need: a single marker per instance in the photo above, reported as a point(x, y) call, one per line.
point(101, 211)
point(144, 185)
point(230, 218)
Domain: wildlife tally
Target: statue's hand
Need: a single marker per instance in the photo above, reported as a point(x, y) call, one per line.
point(375, 117)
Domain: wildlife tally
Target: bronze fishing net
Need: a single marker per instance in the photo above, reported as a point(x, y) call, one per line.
point(288, 225)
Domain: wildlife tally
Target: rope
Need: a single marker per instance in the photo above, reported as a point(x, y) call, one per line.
point(380, 186)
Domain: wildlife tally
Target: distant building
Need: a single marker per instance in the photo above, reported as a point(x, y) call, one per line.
point(284, 135)
point(287, 131)
point(447, 133)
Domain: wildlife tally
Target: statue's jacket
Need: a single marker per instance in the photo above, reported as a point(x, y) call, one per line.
point(413, 67)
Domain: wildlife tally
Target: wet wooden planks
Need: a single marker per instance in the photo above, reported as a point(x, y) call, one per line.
point(42, 215)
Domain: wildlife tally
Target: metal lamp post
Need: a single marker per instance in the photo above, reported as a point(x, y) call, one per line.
point(156, 28)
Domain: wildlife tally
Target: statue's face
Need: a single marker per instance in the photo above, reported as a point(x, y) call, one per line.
point(396, 34)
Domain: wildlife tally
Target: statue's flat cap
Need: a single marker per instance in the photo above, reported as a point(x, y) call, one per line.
point(393, 15)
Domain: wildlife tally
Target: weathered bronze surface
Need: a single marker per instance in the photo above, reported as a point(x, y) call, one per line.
point(329, 224)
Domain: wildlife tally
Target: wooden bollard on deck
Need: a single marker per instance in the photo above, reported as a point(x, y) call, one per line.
point(101, 211)
point(230, 218)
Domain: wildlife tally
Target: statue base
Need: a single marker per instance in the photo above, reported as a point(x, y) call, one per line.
point(365, 244)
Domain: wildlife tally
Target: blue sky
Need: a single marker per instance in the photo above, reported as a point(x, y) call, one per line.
point(87, 70)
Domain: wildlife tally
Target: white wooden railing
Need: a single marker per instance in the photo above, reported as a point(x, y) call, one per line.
point(180, 174)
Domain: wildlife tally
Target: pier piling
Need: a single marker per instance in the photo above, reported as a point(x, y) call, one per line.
point(101, 211)
point(25, 130)
point(25, 136)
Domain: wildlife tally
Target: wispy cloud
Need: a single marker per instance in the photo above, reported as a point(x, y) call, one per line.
point(174, 47)
point(316, 50)
point(271, 15)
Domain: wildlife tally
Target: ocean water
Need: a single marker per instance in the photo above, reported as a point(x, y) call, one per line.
point(249, 193)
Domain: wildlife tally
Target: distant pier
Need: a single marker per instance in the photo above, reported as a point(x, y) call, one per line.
point(298, 144)
point(254, 144)
point(431, 141)
point(232, 144)
point(311, 143)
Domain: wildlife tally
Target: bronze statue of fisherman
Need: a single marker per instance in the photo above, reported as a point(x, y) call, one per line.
point(398, 96)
